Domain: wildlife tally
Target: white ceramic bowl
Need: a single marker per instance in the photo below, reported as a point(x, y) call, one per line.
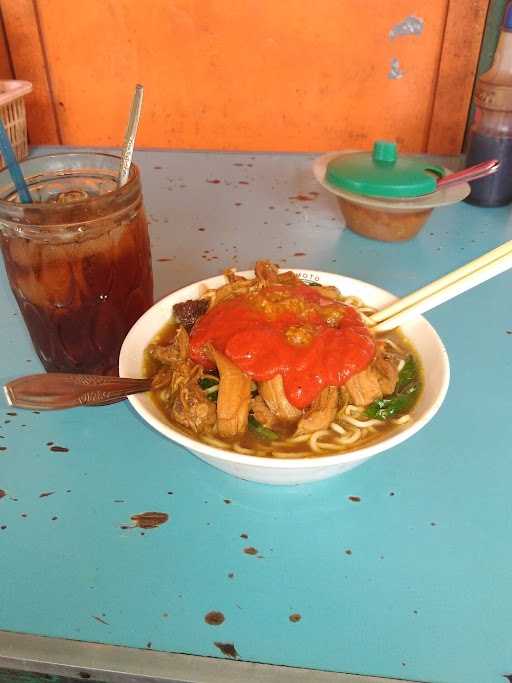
point(297, 470)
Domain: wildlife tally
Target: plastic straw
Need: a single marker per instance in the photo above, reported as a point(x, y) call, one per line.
point(129, 138)
point(13, 167)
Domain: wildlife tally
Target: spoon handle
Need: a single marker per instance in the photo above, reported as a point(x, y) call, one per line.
point(55, 390)
point(129, 138)
point(470, 173)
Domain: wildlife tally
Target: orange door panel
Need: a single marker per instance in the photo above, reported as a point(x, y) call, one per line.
point(254, 74)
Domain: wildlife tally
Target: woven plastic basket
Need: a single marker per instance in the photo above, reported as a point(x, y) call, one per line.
point(12, 111)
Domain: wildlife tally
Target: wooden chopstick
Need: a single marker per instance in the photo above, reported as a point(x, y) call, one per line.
point(438, 293)
point(441, 283)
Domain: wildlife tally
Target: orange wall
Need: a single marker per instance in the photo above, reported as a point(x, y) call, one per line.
point(253, 74)
point(5, 63)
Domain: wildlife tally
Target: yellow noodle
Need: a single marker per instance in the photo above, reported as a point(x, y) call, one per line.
point(314, 438)
point(351, 409)
point(337, 428)
point(355, 436)
point(402, 419)
point(292, 440)
point(290, 454)
point(361, 423)
point(241, 449)
point(331, 447)
point(214, 442)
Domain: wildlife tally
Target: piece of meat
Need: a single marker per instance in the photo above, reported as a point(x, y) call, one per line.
point(162, 378)
point(364, 387)
point(320, 413)
point(177, 370)
point(272, 392)
point(231, 276)
point(185, 372)
point(233, 398)
point(328, 292)
point(188, 312)
point(234, 288)
point(288, 278)
point(386, 371)
point(192, 409)
point(174, 352)
point(164, 353)
point(262, 412)
point(266, 272)
point(343, 397)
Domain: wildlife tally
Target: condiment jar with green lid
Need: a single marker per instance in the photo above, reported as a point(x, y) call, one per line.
point(383, 173)
point(383, 195)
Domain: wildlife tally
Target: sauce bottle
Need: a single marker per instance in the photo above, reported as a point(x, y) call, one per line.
point(491, 132)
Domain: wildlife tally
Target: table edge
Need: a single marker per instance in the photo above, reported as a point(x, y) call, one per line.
point(114, 664)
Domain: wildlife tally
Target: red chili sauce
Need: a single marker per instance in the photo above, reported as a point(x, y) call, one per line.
point(292, 330)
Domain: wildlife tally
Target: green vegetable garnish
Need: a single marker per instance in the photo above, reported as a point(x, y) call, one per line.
point(314, 284)
point(261, 431)
point(408, 374)
point(207, 382)
point(402, 400)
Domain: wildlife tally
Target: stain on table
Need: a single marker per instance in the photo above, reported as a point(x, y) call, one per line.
point(227, 649)
point(150, 520)
point(250, 551)
point(214, 618)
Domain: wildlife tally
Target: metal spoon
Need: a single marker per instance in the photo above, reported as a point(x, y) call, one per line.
point(55, 390)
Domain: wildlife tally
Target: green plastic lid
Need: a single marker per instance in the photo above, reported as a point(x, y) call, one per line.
point(383, 173)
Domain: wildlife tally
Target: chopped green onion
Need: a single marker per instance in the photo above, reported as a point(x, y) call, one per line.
point(261, 431)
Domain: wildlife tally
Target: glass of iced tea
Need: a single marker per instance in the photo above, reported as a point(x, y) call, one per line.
point(77, 258)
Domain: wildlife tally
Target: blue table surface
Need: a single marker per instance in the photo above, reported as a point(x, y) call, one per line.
point(413, 580)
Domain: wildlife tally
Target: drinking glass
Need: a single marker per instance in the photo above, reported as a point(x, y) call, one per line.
point(78, 258)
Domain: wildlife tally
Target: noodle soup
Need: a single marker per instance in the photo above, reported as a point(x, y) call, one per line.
point(272, 367)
